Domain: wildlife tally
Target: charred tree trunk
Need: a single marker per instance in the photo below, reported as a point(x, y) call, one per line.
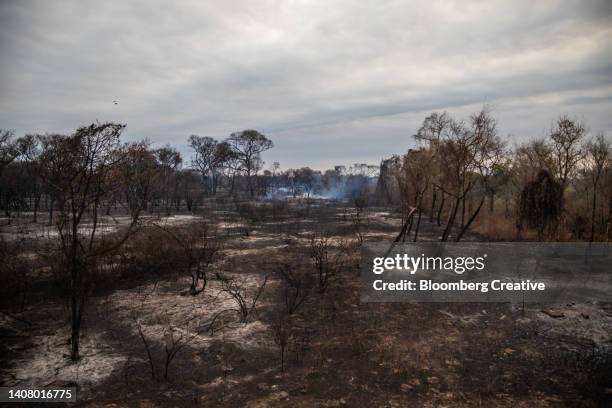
point(407, 234)
point(593, 211)
point(451, 220)
point(609, 226)
point(76, 294)
point(400, 236)
point(416, 230)
point(463, 211)
point(440, 209)
point(434, 197)
point(470, 221)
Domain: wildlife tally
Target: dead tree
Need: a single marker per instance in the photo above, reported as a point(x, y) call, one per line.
point(566, 137)
point(295, 287)
point(467, 153)
point(402, 234)
point(81, 169)
point(237, 291)
point(199, 247)
point(359, 218)
point(598, 159)
point(431, 131)
point(327, 264)
point(283, 332)
point(174, 339)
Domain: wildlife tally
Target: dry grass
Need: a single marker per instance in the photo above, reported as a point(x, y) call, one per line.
point(495, 226)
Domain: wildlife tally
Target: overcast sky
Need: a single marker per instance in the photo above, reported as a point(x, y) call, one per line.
point(330, 82)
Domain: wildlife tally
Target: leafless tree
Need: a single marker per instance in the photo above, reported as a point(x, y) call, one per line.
point(530, 158)
point(414, 178)
point(295, 286)
point(359, 218)
point(174, 339)
point(566, 138)
point(467, 153)
point(200, 247)
point(283, 332)
point(81, 169)
point(598, 160)
point(327, 262)
point(238, 292)
point(431, 131)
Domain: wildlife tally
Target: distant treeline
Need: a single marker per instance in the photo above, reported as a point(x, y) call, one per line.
point(33, 168)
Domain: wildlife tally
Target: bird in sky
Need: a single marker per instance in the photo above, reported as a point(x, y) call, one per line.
point(116, 103)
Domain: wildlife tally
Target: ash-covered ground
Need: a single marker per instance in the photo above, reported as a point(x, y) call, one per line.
point(337, 352)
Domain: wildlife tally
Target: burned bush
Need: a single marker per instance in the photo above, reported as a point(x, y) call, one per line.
point(541, 204)
point(238, 291)
point(295, 286)
point(200, 247)
point(282, 329)
point(327, 262)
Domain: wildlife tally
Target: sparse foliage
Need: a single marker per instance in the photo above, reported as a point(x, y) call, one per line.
point(328, 261)
point(238, 291)
point(296, 286)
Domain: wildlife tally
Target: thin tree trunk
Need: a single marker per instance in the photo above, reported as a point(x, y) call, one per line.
point(416, 230)
point(593, 210)
point(451, 220)
point(409, 228)
point(402, 233)
point(434, 196)
point(75, 305)
point(441, 208)
point(463, 211)
point(470, 221)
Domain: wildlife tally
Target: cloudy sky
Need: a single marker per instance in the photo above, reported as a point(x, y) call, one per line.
point(330, 82)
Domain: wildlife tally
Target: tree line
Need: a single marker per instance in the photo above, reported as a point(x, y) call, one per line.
point(162, 180)
point(158, 180)
point(556, 187)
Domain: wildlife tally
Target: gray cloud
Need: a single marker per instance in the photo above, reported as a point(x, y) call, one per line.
point(329, 82)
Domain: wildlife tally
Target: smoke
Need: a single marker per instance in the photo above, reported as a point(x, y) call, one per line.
point(336, 184)
point(349, 187)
